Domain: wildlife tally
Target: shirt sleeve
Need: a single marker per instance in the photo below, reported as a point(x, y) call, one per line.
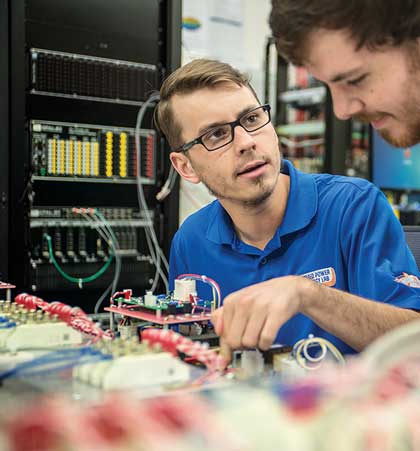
point(380, 264)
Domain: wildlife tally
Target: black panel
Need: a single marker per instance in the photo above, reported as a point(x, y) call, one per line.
point(88, 194)
point(78, 71)
point(4, 139)
point(123, 29)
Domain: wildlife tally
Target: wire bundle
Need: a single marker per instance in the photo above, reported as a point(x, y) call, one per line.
point(55, 361)
point(72, 316)
point(172, 342)
point(156, 252)
point(307, 359)
point(99, 222)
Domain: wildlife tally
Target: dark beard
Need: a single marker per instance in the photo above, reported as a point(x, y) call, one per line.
point(247, 203)
point(411, 137)
point(410, 106)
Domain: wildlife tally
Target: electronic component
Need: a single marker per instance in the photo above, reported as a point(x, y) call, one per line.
point(88, 77)
point(184, 288)
point(15, 337)
point(164, 310)
point(27, 329)
point(80, 249)
point(7, 287)
point(181, 310)
point(77, 152)
point(134, 365)
point(252, 362)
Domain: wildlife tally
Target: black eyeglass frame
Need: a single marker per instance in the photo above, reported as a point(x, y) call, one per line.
point(187, 146)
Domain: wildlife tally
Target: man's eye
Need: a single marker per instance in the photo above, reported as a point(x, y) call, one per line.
point(217, 133)
point(251, 118)
point(357, 81)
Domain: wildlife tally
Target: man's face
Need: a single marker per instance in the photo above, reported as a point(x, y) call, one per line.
point(381, 87)
point(243, 172)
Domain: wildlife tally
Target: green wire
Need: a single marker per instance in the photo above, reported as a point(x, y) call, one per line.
point(78, 280)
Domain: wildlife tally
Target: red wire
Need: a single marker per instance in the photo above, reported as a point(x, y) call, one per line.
point(73, 316)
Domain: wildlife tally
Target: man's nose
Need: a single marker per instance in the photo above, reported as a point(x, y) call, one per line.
point(345, 106)
point(242, 139)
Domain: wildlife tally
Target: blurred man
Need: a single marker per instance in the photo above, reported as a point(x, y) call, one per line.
point(366, 51)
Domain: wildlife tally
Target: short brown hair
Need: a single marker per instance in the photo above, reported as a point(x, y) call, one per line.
point(371, 23)
point(198, 74)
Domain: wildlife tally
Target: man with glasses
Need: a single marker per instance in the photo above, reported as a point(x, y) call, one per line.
point(287, 248)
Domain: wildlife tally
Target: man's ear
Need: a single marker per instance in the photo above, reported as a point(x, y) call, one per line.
point(183, 166)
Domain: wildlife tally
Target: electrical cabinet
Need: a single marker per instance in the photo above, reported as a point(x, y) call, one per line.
point(74, 75)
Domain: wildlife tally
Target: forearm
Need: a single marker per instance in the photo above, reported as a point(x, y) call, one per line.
point(355, 320)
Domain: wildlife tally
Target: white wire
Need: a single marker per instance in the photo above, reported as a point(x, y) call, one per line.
point(101, 220)
point(158, 255)
point(301, 352)
point(96, 227)
point(156, 259)
point(168, 185)
point(105, 231)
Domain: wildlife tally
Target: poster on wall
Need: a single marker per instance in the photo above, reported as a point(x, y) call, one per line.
point(213, 29)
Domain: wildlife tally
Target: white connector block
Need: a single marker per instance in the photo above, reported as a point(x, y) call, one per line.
point(183, 289)
point(39, 336)
point(150, 299)
point(134, 371)
point(252, 362)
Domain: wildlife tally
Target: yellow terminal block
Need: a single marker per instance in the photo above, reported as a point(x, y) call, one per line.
point(87, 158)
point(61, 158)
point(53, 156)
point(67, 157)
point(109, 154)
point(96, 159)
point(79, 158)
point(71, 157)
point(123, 155)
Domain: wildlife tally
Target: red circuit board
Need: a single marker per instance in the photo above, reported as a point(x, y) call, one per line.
point(134, 312)
point(6, 286)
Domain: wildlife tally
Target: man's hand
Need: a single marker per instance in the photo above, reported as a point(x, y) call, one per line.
point(252, 316)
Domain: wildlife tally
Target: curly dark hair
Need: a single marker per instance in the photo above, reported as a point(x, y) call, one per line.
point(371, 23)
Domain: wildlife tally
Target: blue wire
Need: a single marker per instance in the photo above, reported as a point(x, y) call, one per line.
point(70, 358)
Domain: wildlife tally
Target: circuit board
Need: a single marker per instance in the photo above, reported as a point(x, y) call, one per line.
point(134, 312)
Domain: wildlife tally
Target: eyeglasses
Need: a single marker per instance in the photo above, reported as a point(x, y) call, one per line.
point(223, 134)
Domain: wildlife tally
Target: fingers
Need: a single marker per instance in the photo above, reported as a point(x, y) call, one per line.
point(243, 320)
point(251, 335)
point(225, 350)
point(252, 316)
point(235, 326)
point(268, 333)
point(217, 320)
point(218, 323)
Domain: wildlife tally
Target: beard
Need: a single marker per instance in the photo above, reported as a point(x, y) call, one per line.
point(408, 115)
point(263, 194)
point(408, 139)
point(408, 133)
point(223, 188)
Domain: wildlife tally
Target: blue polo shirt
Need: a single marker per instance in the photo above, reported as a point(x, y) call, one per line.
point(339, 231)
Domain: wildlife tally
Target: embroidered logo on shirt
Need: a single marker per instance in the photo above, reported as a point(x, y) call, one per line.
point(325, 276)
point(409, 280)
